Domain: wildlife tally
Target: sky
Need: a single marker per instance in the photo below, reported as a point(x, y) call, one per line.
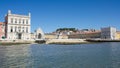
point(52, 14)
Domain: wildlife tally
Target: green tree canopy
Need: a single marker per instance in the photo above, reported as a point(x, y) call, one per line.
point(67, 29)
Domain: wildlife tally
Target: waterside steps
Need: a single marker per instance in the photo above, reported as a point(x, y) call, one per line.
point(40, 41)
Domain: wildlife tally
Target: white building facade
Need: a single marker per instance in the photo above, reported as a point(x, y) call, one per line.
point(17, 26)
point(108, 33)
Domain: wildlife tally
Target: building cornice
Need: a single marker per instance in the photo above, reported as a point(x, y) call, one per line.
point(19, 24)
point(16, 15)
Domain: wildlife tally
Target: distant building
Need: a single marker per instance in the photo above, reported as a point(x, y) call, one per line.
point(85, 35)
point(55, 36)
point(50, 36)
point(2, 30)
point(108, 33)
point(32, 36)
point(17, 26)
point(118, 35)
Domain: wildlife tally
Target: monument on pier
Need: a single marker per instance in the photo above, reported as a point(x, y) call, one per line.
point(39, 34)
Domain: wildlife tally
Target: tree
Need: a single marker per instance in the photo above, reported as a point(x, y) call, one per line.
point(67, 29)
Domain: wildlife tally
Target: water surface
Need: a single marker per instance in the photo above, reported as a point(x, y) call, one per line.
point(98, 55)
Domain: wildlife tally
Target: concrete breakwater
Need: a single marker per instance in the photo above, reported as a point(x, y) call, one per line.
point(103, 40)
point(65, 41)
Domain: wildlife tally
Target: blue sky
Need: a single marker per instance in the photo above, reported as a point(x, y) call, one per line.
point(53, 14)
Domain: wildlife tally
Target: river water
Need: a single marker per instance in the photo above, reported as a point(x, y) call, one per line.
point(97, 55)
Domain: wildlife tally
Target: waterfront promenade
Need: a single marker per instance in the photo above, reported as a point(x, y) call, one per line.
point(11, 42)
point(65, 41)
point(47, 41)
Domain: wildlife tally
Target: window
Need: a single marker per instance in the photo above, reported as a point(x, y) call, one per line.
point(15, 20)
point(15, 29)
point(23, 29)
point(3, 26)
point(11, 20)
point(26, 29)
point(26, 21)
point(19, 29)
point(11, 30)
point(19, 21)
point(23, 21)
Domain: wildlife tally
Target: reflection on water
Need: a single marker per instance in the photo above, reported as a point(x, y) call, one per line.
point(100, 55)
point(115, 55)
point(15, 56)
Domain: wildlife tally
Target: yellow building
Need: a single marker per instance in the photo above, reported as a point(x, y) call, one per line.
point(117, 35)
point(85, 35)
point(50, 36)
point(63, 37)
point(54, 36)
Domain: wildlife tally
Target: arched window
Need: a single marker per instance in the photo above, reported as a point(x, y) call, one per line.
point(39, 36)
point(11, 30)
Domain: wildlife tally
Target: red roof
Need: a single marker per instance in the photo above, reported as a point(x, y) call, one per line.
point(118, 32)
point(1, 23)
